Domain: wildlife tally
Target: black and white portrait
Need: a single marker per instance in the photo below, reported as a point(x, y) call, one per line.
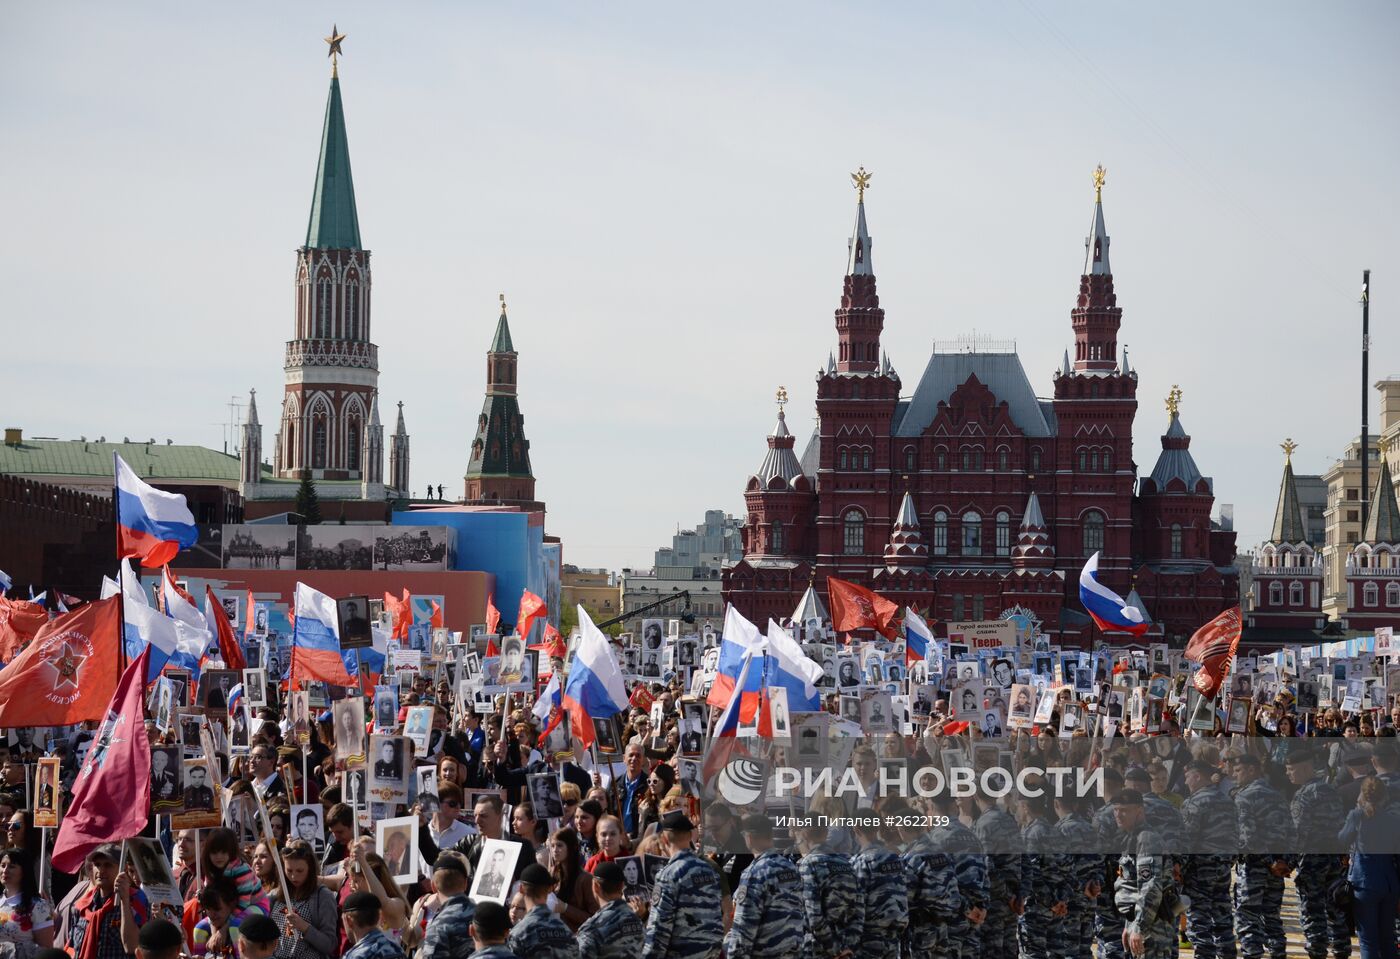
point(167, 786)
point(306, 826)
point(512, 659)
point(652, 632)
point(388, 780)
point(255, 687)
point(418, 727)
point(544, 795)
point(386, 708)
point(348, 716)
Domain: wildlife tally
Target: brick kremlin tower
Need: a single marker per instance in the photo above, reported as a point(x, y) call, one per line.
point(330, 424)
point(498, 471)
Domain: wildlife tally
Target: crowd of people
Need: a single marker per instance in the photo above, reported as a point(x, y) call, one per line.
point(635, 865)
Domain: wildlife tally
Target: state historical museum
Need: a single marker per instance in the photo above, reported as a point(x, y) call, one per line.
point(973, 498)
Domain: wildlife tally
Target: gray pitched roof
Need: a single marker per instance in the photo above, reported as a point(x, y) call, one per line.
point(1383, 520)
point(1001, 373)
point(812, 454)
point(1288, 515)
point(1176, 461)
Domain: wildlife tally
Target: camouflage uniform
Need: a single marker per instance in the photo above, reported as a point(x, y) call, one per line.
point(1143, 889)
point(1045, 877)
point(768, 920)
point(1076, 832)
point(375, 945)
point(1108, 925)
point(1317, 819)
point(540, 934)
point(880, 882)
point(934, 902)
point(1213, 837)
point(1000, 835)
point(449, 934)
point(613, 932)
point(833, 903)
point(686, 920)
point(970, 870)
point(1266, 830)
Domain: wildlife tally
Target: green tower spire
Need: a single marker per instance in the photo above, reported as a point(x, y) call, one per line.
point(334, 224)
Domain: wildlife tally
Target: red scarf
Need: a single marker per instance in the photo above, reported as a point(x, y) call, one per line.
point(92, 933)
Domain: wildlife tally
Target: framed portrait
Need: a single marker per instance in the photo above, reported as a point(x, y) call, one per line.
point(47, 794)
point(634, 875)
point(187, 723)
point(425, 782)
point(386, 708)
point(607, 734)
point(780, 717)
point(1307, 696)
point(544, 795)
point(495, 871)
point(418, 727)
point(352, 616)
point(307, 825)
point(157, 880)
point(255, 687)
point(1238, 716)
point(214, 687)
point(877, 714)
point(388, 772)
point(348, 717)
point(653, 631)
point(164, 711)
point(1021, 715)
point(180, 690)
point(200, 799)
point(396, 840)
point(690, 778)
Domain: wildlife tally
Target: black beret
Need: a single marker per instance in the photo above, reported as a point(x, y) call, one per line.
point(158, 935)
point(450, 861)
point(1202, 767)
point(536, 875)
point(362, 902)
point(756, 823)
point(491, 919)
point(1247, 758)
point(677, 821)
point(1137, 774)
point(1128, 797)
point(609, 872)
point(258, 928)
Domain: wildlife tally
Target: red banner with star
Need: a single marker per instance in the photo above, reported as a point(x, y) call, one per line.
point(68, 673)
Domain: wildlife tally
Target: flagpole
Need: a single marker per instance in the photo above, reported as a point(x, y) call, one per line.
point(121, 577)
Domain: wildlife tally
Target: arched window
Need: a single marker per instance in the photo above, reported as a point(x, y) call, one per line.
point(841, 458)
point(352, 444)
point(1003, 533)
point(977, 457)
point(1372, 594)
point(1003, 459)
point(1275, 594)
point(1108, 461)
point(777, 536)
point(967, 458)
point(1035, 459)
point(1285, 558)
point(911, 459)
point(1083, 460)
point(940, 459)
point(352, 311)
point(1295, 594)
point(318, 442)
point(1392, 594)
point(1093, 461)
point(865, 458)
point(1176, 541)
point(1093, 532)
point(940, 533)
point(853, 540)
point(971, 534)
point(324, 299)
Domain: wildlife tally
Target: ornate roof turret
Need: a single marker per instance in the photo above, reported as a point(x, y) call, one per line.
point(907, 550)
point(374, 409)
point(780, 462)
point(334, 223)
point(809, 607)
point(1176, 462)
point(1383, 521)
point(1096, 316)
point(399, 429)
point(501, 342)
point(1133, 599)
point(1033, 547)
point(858, 262)
point(1288, 515)
point(252, 418)
point(859, 320)
point(1096, 243)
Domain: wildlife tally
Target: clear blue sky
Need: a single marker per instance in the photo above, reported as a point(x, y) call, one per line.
point(662, 194)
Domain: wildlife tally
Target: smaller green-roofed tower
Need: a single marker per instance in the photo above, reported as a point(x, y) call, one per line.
point(499, 469)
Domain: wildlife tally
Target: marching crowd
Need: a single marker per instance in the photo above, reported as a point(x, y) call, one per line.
point(870, 878)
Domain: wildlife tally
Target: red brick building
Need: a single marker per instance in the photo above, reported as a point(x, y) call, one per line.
point(974, 497)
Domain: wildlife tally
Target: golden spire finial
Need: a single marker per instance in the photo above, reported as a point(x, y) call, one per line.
point(1100, 174)
point(335, 40)
point(1174, 400)
point(782, 397)
point(860, 179)
point(503, 304)
point(1288, 446)
point(1383, 444)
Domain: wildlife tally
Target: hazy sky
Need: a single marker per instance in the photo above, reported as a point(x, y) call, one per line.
point(662, 192)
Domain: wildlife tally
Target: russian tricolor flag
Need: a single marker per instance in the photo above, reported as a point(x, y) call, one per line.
point(724, 735)
point(151, 524)
point(371, 657)
point(172, 641)
point(777, 661)
point(549, 709)
point(918, 638)
point(316, 640)
point(1105, 607)
point(594, 689)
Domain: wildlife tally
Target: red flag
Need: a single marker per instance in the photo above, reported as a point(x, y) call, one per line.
point(402, 613)
point(641, 697)
point(67, 674)
point(493, 617)
point(492, 649)
point(553, 644)
point(112, 793)
point(228, 642)
point(855, 607)
point(531, 609)
point(1214, 646)
point(435, 620)
point(19, 621)
point(249, 614)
